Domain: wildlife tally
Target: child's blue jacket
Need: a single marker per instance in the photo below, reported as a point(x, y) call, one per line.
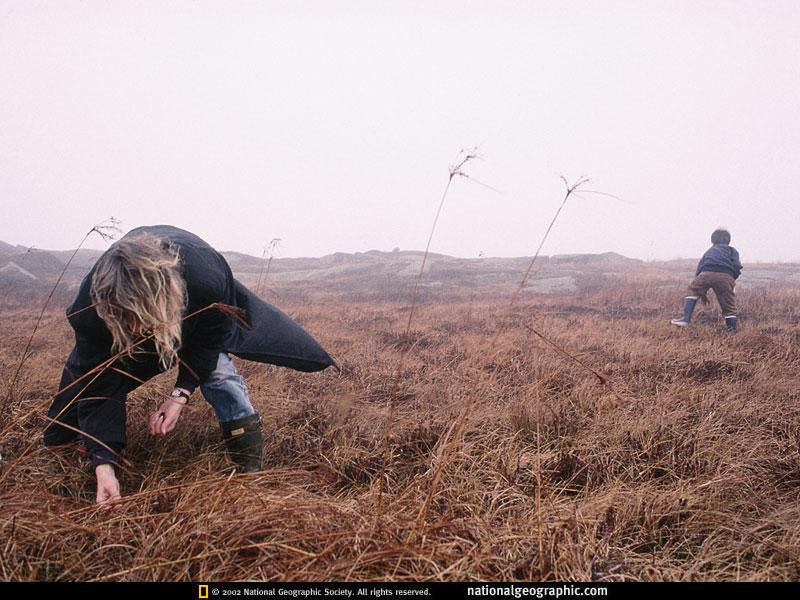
point(721, 258)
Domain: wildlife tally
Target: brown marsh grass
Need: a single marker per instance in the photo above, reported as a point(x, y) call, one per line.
point(689, 469)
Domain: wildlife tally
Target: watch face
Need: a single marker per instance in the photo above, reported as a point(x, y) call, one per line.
point(176, 393)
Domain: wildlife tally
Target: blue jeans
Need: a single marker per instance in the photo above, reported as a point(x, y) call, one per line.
point(226, 391)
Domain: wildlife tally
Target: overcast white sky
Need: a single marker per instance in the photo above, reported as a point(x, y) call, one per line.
point(331, 124)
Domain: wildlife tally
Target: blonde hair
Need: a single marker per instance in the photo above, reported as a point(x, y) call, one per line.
point(138, 290)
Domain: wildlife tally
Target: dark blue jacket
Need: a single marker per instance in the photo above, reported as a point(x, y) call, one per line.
point(720, 258)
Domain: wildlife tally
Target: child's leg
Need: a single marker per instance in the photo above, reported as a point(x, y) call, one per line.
point(697, 289)
point(700, 286)
point(723, 288)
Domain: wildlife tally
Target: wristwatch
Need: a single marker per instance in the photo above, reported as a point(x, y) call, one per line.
point(179, 393)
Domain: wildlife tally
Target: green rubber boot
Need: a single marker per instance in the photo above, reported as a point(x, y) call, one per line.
point(244, 442)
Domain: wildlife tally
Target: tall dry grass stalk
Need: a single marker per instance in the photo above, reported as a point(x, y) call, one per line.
point(601, 378)
point(266, 261)
point(448, 444)
point(107, 230)
point(455, 170)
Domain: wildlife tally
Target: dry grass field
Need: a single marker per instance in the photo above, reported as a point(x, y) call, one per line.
point(684, 466)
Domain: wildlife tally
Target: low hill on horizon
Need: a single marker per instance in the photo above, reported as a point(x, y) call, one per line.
point(387, 273)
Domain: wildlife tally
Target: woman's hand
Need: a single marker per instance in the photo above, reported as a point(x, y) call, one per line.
point(166, 417)
point(107, 484)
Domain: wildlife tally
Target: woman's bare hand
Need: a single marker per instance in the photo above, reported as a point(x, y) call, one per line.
point(107, 484)
point(166, 417)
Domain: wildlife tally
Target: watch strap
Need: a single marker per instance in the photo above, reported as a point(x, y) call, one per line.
point(179, 393)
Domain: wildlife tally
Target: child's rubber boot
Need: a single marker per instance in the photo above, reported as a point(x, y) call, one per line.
point(688, 308)
point(731, 323)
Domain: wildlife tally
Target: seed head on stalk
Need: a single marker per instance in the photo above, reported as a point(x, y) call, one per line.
point(454, 170)
point(107, 230)
point(447, 444)
point(266, 262)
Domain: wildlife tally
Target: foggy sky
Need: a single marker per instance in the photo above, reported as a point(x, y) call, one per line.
point(331, 125)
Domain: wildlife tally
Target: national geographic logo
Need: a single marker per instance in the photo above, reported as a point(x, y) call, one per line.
point(202, 591)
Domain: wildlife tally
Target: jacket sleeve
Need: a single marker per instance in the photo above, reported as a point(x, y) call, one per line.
point(736, 263)
point(100, 396)
point(208, 280)
point(200, 350)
